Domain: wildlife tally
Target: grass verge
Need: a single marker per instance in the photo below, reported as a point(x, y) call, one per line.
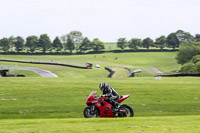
point(164, 124)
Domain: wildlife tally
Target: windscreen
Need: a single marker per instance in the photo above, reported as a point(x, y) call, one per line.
point(92, 93)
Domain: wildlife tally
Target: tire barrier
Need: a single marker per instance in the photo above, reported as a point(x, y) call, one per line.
point(44, 63)
point(3, 73)
point(89, 65)
point(111, 72)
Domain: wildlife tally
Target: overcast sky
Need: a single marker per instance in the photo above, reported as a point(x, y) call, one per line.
point(107, 20)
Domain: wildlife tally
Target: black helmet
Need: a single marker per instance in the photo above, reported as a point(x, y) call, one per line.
point(102, 86)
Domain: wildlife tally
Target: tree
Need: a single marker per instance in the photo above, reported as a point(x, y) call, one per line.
point(160, 42)
point(32, 43)
point(122, 43)
point(184, 36)
point(172, 41)
point(147, 42)
point(85, 45)
point(197, 38)
point(19, 43)
point(70, 44)
point(11, 42)
point(77, 38)
point(4, 44)
point(134, 43)
point(44, 42)
point(57, 44)
point(187, 51)
point(63, 39)
point(196, 61)
point(97, 45)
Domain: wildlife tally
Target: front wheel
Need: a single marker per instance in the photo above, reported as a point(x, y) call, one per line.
point(90, 112)
point(126, 111)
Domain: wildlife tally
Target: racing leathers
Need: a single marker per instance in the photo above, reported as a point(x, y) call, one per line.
point(113, 96)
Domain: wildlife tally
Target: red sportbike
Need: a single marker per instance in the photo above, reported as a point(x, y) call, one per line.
point(97, 106)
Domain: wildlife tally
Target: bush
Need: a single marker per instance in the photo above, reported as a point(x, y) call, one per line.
point(193, 67)
point(196, 59)
point(187, 51)
point(197, 67)
point(187, 68)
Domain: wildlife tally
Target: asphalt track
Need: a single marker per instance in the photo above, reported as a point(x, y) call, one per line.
point(43, 73)
point(153, 69)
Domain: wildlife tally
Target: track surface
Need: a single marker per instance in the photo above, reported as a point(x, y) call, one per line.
point(43, 73)
point(153, 69)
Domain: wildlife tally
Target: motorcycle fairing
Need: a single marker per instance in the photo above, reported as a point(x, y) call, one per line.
point(123, 97)
point(105, 111)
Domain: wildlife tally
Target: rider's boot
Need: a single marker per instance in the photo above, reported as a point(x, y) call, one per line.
point(117, 106)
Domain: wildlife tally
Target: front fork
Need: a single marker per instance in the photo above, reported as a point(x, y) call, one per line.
point(92, 109)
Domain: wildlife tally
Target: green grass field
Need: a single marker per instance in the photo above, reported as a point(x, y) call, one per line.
point(163, 124)
point(164, 61)
point(41, 105)
point(25, 102)
point(65, 97)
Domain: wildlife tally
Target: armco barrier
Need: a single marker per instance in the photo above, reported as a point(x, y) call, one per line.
point(180, 75)
point(45, 63)
point(111, 72)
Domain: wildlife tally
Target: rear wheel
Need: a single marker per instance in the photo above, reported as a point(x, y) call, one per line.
point(126, 111)
point(89, 113)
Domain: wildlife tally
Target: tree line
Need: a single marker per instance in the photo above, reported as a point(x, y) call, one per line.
point(74, 41)
point(173, 40)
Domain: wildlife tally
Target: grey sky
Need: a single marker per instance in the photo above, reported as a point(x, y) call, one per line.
point(107, 20)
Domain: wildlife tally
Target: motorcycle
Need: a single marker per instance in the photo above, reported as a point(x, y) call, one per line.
point(97, 106)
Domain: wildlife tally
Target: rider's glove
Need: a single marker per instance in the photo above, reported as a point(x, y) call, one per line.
point(111, 98)
point(103, 95)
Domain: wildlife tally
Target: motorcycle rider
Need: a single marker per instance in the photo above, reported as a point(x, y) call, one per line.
point(109, 92)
